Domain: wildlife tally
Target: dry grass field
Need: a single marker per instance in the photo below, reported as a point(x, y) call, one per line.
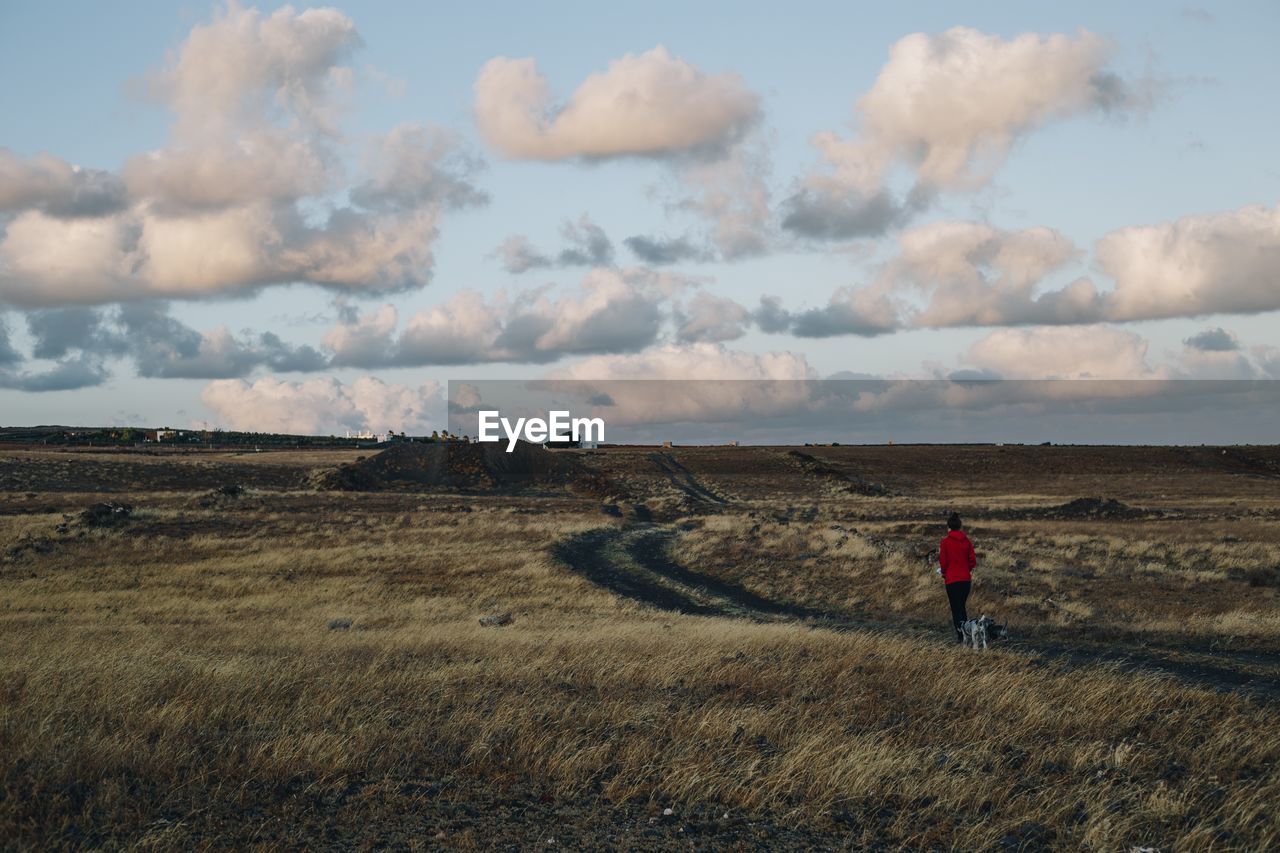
point(739, 648)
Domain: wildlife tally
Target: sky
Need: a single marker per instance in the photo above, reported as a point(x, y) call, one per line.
point(313, 219)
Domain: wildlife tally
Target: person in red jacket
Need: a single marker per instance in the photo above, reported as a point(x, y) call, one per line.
point(957, 560)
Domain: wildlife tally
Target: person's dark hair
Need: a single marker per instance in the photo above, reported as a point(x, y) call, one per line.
point(953, 522)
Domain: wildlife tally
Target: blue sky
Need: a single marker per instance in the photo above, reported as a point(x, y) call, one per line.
point(1188, 144)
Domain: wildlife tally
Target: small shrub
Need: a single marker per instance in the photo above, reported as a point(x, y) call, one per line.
point(1263, 576)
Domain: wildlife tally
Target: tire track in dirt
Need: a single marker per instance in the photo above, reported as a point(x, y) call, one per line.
point(602, 557)
point(682, 478)
point(635, 562)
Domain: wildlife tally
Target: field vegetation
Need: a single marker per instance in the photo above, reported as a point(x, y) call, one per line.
point(711, 647)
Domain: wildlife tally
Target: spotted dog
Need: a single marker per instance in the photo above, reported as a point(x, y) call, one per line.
point(976, 632)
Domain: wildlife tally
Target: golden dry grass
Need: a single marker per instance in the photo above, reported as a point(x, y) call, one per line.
point(175, 683)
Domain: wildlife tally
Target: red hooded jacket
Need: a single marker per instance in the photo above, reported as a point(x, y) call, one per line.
point(956, 557)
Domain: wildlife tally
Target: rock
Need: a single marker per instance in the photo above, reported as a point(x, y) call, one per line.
point(668, 812)
point(339, 624)
point(497, 620)
point(106, 514)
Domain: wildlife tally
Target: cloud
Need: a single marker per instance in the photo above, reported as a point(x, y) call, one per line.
point(665, 251)
point(55, 187)
point(1218, 354)
point(646, 105)
point(732, 195)
point(974, 274)
point(59, 331)
point(708, 318)
point(705, 392)
point(949, 107)
point(1202, 264)
point(8, 355)
point(791, 411)
point(247, 192)
point(1213, 340)
point(159, 344)
point(660, 385)
point(1108, 352)
point(256, 107)
point(827, 211)
point(690, 361)
point(70, 372)
point(612, 311)
point(588, 245)
point(770, 316)
point(956, 274)
point(323, 405)
point(163, 347)
point(1267, 358)
point(67, 375)
point(1061, 352)
point(412, 165)
point(850, 311)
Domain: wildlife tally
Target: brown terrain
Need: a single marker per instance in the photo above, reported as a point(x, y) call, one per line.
point(708, 647)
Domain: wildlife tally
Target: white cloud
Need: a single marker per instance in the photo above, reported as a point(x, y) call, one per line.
point(1061, 352)
point(364, 340)
point(953, 274)
point(256, 109)
point(587, 245)
point(691, 361)
point(241, 167)
point(244, 195)
point(1203, 264)
point(974, 274)
point(55, 187)
point(323, 405)
point(651, 104)
point(709, 318)
point(654, 386)
point(463, 330)
point(949, 107)
point(612, 311)
point(850, 311)
point(733, 196)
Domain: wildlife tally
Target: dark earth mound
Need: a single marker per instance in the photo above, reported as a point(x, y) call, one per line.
point(1084, 508)
point(848, 482)
point(465, 467)
point(106, 515)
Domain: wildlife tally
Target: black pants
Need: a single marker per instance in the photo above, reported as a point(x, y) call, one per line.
point(958, 595)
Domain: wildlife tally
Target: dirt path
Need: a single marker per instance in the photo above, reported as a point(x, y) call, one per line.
point(682, 478)
point(635, 562)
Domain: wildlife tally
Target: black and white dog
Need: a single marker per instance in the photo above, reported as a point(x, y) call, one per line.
point(976, 632)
